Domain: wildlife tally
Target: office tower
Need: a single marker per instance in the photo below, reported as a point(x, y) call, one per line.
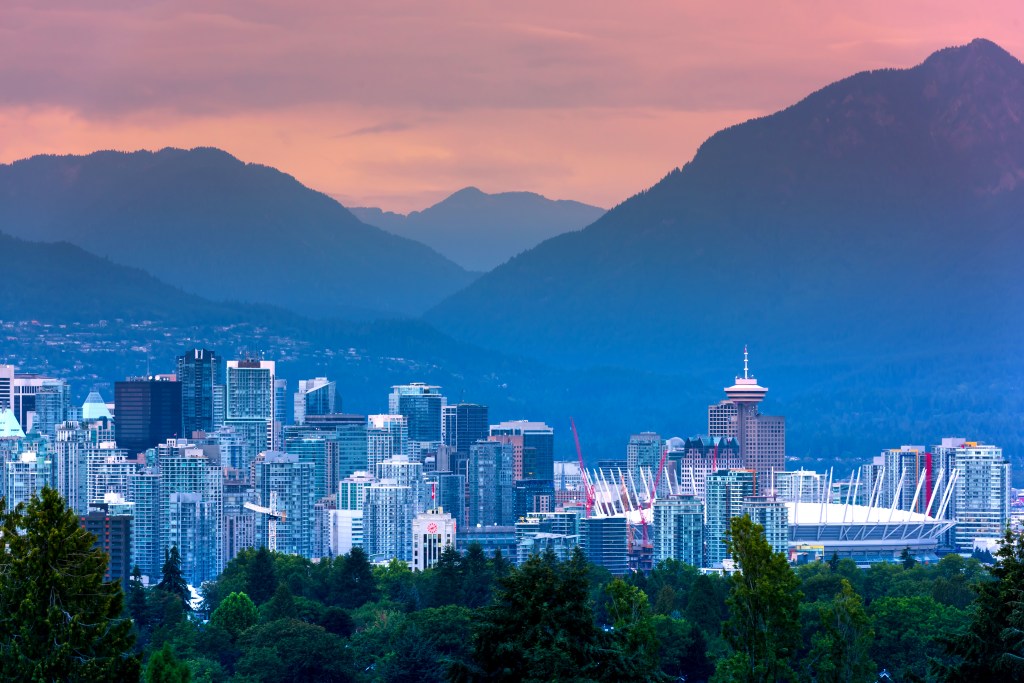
point(643, 456)
point(432, 532)
point(70, 465)
point(346, 442)
point(421, 405)
point(27, 474)
point(322, 511)
point(387, 521)
point(352, 490)
point(387, 437)
point(95, 408)
point(491, 484)
point(447, 490)
point(982, 494)
point(604, 542)
point(346, 531)
point(316, 396)
point(533, 495)
point(692, 460)
point(191, 494)
point(249, 403)
point(407, 473)
point(902, 472)
point(6, 387)
point(110, 521)
point(772, 514)
point(762, 438)
point(533, 445)
point(280, 410)
point(147, 546)
point(54, 402)
point(148, 412)
point(313, 450)
point(200, 372)
point(464, 425)
point(679, 530)
point(239, 522)
point(726, 492)
point(107, 470)
point(284, 487)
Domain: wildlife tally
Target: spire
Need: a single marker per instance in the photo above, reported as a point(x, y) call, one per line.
point(746, 369)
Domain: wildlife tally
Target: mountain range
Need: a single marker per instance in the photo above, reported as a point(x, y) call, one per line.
point(478, 230)
point(212, 225)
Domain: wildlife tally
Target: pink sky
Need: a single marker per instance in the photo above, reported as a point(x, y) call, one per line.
point(397, 104)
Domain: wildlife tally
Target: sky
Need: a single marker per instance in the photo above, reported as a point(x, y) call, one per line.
point(398, 104)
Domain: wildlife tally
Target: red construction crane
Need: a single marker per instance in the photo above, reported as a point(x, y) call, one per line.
point(588, 488)
point(661, 469)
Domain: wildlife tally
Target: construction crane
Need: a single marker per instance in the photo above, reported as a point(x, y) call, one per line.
point(588, 488)
point(274, 515)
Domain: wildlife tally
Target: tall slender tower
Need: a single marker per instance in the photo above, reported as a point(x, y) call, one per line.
point(762, 438)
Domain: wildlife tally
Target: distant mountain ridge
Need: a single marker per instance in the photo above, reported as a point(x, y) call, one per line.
point(847, 238)
point(478, 230)
point(212, 225)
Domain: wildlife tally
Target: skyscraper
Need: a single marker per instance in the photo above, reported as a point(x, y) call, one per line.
point(6, 387)
point(465, 424)
point(250, 408)
point(533, 446)
point(644, 452)
point(762, 438)
point(316, 396)
point(148, 412)
point(679, 530)
point(726, 492)
point(284, 483)
point(191, 498)
point(491, 484)
point(200, 372)
point(387, 437)
point(982, 494)
point(772, 514)
point(421, 405)
point(148, 547)
point(387, 521)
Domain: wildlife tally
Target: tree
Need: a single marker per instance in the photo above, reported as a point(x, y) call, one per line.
point(235, 613)
point(292, 650)
point(682, 651)
point(58, 619)
point(540, 626)
point(164, 667)
point(136, 603)
point(261, 579)
point(840, 649)
point(906, 559)
point(632, 634)
point(990, 647)
point(763, 629)
point(477, 577)
point(446, 579)
point(281, 606)
point(704, 608)
point(173, 581)
point(356, 584)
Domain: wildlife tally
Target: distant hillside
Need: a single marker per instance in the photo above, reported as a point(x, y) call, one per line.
point(480, 231)
point(206, 222)
point(865, 242)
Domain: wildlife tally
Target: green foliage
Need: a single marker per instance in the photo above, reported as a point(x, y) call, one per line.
point(907, 631)
point(281, 606)
point(682, 651)
point(59, 621)
point(164, 667)
point(172, 581)
point(235, 614)
point(763, 627)
point(632, 636)
point(840, 650)
point(906, 559)
point(990, 647)
point(260, 577)
point(289, 650)
point(355, 584)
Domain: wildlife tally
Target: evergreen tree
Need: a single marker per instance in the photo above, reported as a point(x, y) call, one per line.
point(446, 579)
point(357, 585)
point(906, 559)
point(261, 579)
point(991, 647)
point(59, 621)
point(164, 667)
point(137, 599)
point(235, 614)
point(632, 634)
point(763, 629)
point(840, 649)
point(281, 606)
point(477, 577)
point(173, 581)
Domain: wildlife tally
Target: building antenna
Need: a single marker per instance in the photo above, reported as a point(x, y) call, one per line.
point(746, 371)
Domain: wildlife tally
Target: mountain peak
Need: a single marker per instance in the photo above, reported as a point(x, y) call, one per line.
point(979, 53)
